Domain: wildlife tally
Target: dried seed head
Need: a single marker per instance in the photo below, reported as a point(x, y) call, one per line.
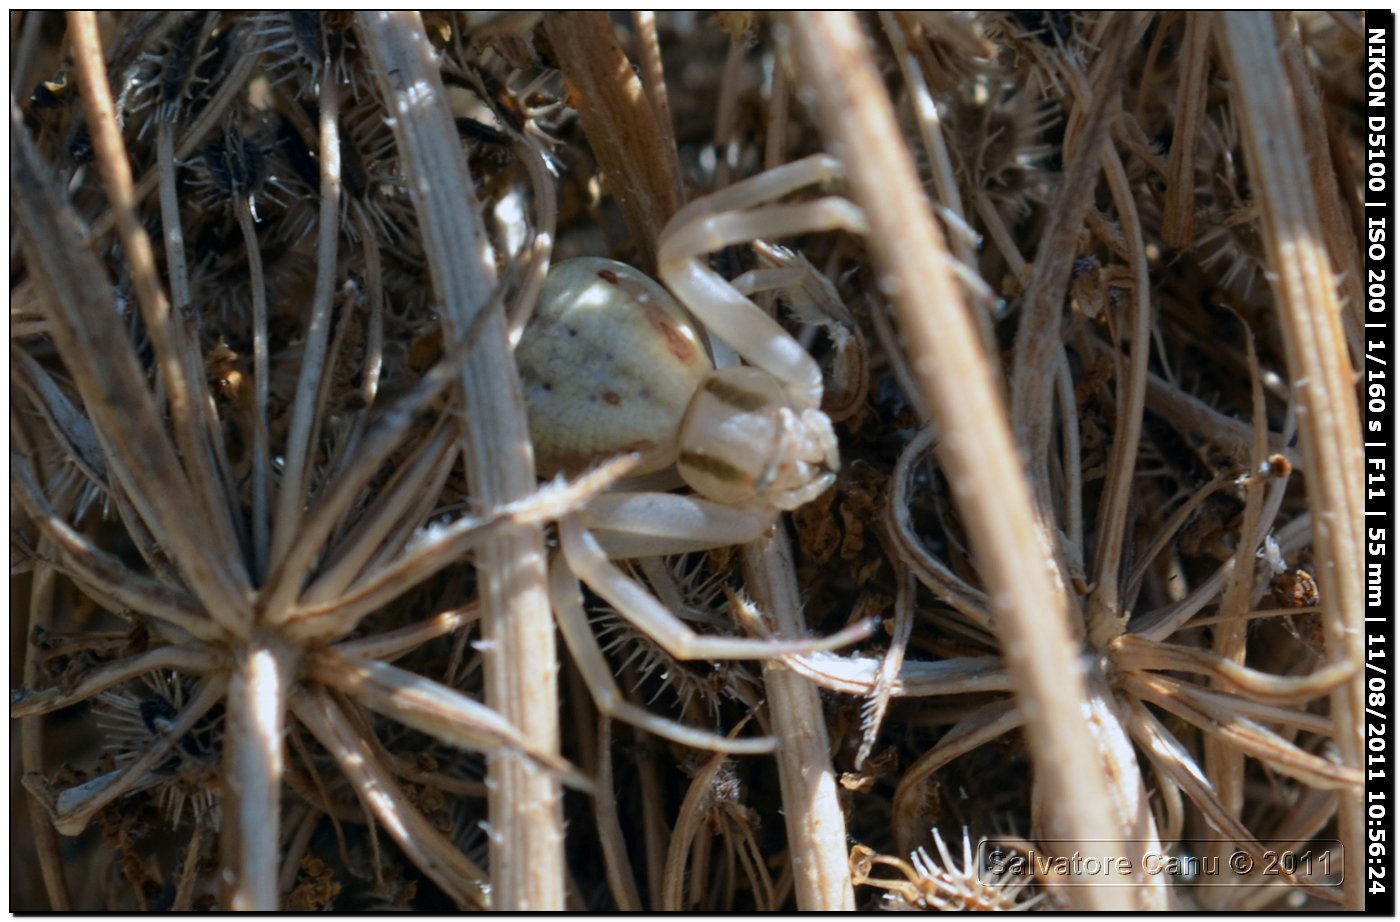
point(175, 79)
point(949, 886)
point(141, 714)
point(235, 166)
point(297, 44)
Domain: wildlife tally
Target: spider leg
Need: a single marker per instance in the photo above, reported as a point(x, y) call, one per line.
point(578, 637)
point(765, 187)
point(729, 315)
point(656, 524)
point(639, 607)
point(717, 221)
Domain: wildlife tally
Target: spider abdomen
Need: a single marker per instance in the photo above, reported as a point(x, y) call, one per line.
point(609, 364)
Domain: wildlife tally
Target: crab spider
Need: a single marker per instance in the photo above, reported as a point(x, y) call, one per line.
point(612, 363)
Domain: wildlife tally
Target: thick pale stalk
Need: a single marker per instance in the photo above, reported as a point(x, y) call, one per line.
point(527, 856)
point(1338, 234)
point(1318, 365)
point(252, 803)
point(816, 827)
point(1029, 608)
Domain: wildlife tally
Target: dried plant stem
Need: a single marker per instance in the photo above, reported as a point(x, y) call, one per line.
point(292, 498)
point(1105, 611)
point(253, 745)
point(1072, 469)
point(1132, 653)
point(638, 157)
point(857, 675)
point(1199, 418)
point(527, 859)
point(1161, 624)
point(1224, 763)
point(616, 867)
point(1030, 613)
point(1178, 766)
point(184, 659)
point(878, 701)
point(1338, 231)
point(930, 129)
point(688, 836)
point(654, 82)
point(24, 54)
point(374, 334)
point(1295, 241)
point(262, 453)
point(190, 867)
point(176, 267)
point(1037, 335)
point(31, 747)
point(458, 877)
point(655, 831)
point(986, 723)
point(303, 820)
point(726, 111)
point(999, 233)
point(184, 385)
point(815, 825)
point(775, 137)
point(392, 644)
point(1179, 221)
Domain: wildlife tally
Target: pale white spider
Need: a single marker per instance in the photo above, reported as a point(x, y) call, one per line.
point(612, 364)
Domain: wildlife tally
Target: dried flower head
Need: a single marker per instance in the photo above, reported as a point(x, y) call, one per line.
point(944, 884)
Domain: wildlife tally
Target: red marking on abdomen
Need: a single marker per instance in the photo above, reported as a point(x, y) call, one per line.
point(676, 343)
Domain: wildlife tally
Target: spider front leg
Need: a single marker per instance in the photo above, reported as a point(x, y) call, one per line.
point(719, 220)
point(628, 525)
